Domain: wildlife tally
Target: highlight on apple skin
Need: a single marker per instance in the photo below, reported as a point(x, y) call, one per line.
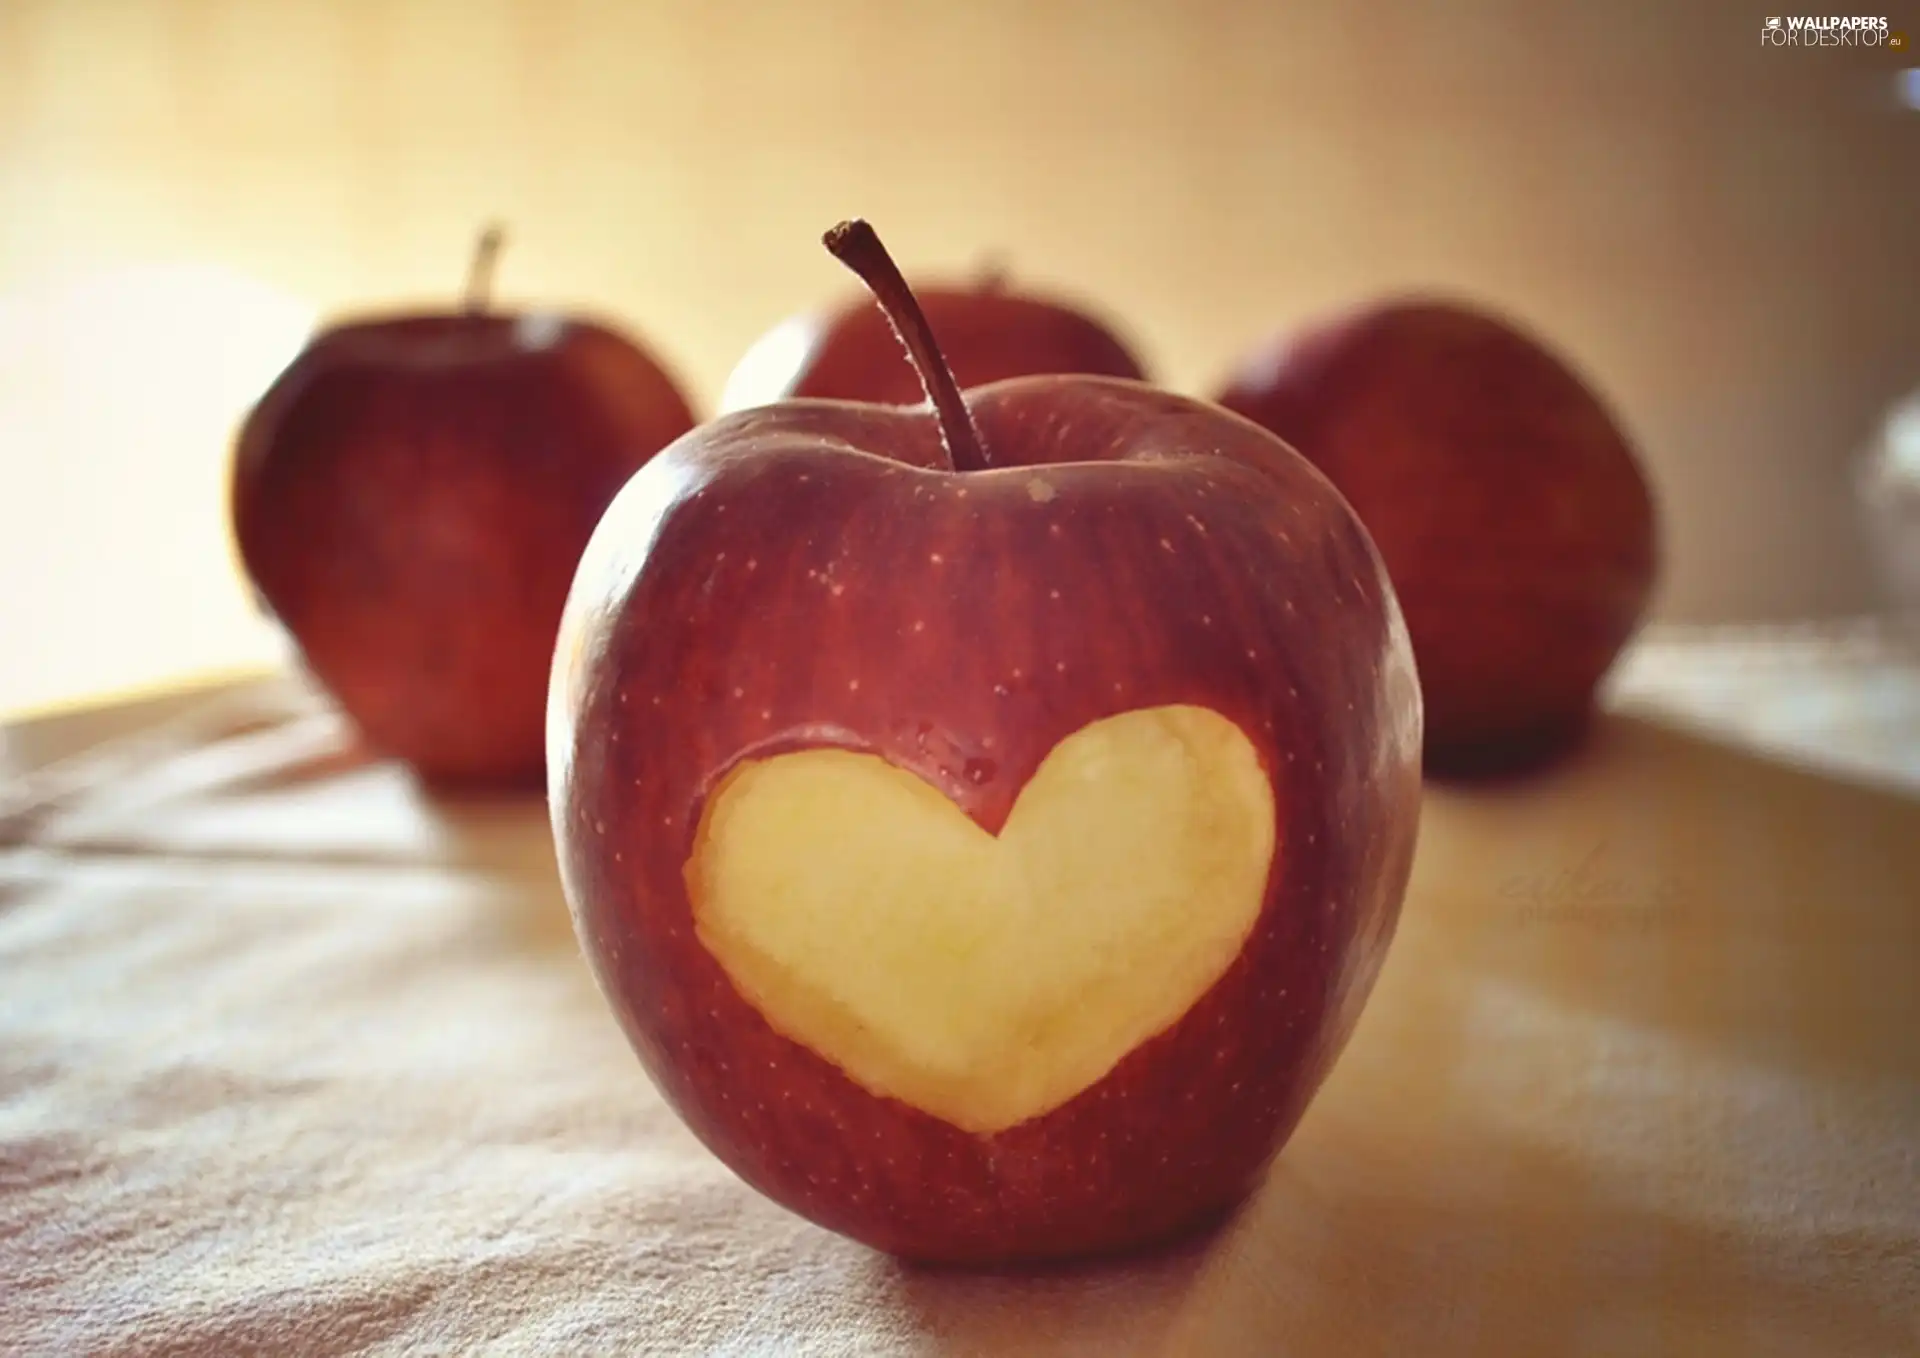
point(1510, 506)
point(986, 820)
point(410, 500)
point(989, 330)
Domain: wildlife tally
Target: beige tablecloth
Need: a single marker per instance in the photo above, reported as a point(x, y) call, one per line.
point(293, 1060)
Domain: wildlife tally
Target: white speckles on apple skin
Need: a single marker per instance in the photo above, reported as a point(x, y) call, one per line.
point(1166, 545)
point(919, 624)
point(1040, 490)
point(1053, 594)
point(853, 685)
point(936, 559)
point(753, 563)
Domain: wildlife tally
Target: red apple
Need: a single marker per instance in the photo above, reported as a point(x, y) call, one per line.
point(985, 818)
point(411, 498)
point(987, 331)
point(1508, 503)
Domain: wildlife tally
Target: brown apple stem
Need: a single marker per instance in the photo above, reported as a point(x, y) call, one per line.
point(856, 245)
point(486, 255)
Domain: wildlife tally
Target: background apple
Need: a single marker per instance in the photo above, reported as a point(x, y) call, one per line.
point(986, 818)
point(987, 331)
point(410, 498)
point(1511, 510)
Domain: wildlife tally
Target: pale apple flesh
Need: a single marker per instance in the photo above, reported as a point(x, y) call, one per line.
point(988, 980)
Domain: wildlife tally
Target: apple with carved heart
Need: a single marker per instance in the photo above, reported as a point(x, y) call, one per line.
point(986, 819)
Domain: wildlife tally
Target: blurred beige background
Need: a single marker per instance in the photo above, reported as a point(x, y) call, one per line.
point(1722, 236)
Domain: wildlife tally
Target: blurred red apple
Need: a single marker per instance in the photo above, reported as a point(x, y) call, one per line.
point(987, 331)
point(411, 497)
point(986, 818)
point(1515, 520)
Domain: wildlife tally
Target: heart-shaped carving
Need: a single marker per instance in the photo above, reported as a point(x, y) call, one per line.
point(987, 980)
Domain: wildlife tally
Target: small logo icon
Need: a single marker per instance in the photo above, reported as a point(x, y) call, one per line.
point(1773, 22)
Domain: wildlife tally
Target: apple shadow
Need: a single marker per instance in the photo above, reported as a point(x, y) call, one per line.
point(1779, 927)
point(1777, 934)
point(1363, 1249)
point(1106, 1306)
point(305, 788)
point(1514, 765)
point(507, 834)
point(1634, 742)
point(270, 776)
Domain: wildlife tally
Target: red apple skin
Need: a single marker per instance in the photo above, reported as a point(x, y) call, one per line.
point(763, 587)
point(986, 333)
point(410, 499)
point(1513, 513)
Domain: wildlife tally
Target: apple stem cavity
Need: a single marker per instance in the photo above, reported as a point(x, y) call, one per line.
point(856, 245)
point(486, 256)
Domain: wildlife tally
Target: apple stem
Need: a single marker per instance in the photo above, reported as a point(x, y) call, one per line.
point(857, 245)
point(486, 254)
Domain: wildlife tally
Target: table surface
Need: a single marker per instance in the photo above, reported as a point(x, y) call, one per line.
point(294, 1059)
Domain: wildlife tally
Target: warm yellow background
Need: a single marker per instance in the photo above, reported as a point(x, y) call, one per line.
point(1723, 235)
